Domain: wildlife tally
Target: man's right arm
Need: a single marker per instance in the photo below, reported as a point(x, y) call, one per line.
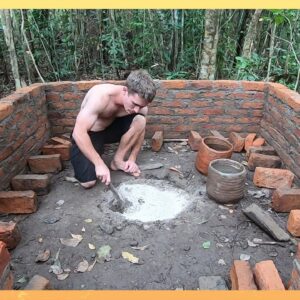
point(84, 122)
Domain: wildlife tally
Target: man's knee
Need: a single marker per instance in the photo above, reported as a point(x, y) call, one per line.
point(89, 184)
point(139, 123)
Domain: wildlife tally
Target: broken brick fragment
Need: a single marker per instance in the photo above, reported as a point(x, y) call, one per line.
point(194, 140)
point(285, 199)
point(294, 282)
point(157, 140)
point(60, 141)
point(39, 183)
point(241, 276)
point(42, 164)
point(249, 140)
point(267, 150)
point(267, 276)
point(217, 134)
point(18, 202)
point(38, 282)
point(237, 141)
point(7, 279)
point(61, 149)
point(262, 160)
point(293, 224)
point(4, 258)
point(258, 142)
point(10, 234)
point(273, 178)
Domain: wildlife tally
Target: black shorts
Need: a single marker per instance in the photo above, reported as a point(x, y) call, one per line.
point(84, 169)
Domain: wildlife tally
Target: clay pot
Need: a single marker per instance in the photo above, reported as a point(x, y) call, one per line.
point(226, 181)
point(212, 148)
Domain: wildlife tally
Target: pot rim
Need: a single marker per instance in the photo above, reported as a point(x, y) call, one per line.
point(227, 161)
point(218, 139)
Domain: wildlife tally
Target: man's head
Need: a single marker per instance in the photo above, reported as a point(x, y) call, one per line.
point(141, 83)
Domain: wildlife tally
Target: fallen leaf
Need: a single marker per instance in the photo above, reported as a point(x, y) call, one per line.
point(92, 247)
point(43, 256)
point(60, 202)
point(103, 254)
point(22, 280)
point(71, 179)
point(83, 229)
point(221, 262)
point(56, 269)
point(40, 240)
point(82, 266)
point(90, 268)
point(76, 239)
point(63, 276)
point(245, 257)
point(131, 258)
point(251, 244)
point(88, 220)
point(206, 245)
point(141, 248)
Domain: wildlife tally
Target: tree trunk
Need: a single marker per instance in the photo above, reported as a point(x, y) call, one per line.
point(210, 43)
point(9, 39)
point(271, 51)
point(251, 37)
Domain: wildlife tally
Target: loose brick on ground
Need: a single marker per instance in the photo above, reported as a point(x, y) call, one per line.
point(39, 183)
point(10, 234)
point(42, 164)
point(38, 282)
point(60, 141)
point(294, 282)
point(293, 224)
point(21, 202)
point(267, 276)
point(249, 140)
point(4, 258)
point(157, 140)
point(273, 178)
point(262, 160)
point(63, 150)
point(286, 199)
point(237, 141)
point(7, 279)
point(194, 140)
point(241, 276)
point(267, 150)
point(258, 142)
point(217, 134)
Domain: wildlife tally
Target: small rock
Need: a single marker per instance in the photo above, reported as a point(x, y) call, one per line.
point(273, 254)
point(212, 283)
point(245, 257)
point(60, 202)
point(51, 219)
point(221, 262)
point(186, 247)
point(105, 227)
point(133, 243)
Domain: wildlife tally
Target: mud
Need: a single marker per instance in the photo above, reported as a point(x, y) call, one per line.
point(175, 256)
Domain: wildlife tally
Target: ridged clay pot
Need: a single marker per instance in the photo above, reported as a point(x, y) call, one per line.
point(226, 181)
point(212, 148)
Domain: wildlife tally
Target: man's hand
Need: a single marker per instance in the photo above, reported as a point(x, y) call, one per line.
point(103, 173)
point(132, 167)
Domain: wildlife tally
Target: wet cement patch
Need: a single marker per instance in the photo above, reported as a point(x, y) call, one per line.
point(175, 256)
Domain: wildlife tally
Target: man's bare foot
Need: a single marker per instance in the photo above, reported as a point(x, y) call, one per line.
point(128, 167)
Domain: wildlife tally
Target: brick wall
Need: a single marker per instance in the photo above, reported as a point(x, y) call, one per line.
point(31, 114)
point(280, 125)
point(24, 127)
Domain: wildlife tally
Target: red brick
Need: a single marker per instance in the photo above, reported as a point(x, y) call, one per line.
point(294, 282)
point(186, 111)
point(6, 109)
point(200, 103)
point(273, 178)
point(39, 183)
point(202, 84)
point(6, 153)
point(253, 86)
point(237, 141)
point(203, 119)
point(293, 224)
point(258, 142)
point(241, 276)
point(214, 95)
point(249, 140)
point(267, 150)
point(217, 134)
point(42, 164)
point(86, 85)
point(267, 276)
point(173, 103)
point(61, 86)
point(72, 96)
point(60, 141)
point(262, 160)
point(173, 84)
point(297, 256)
point(53, 97)
point(38, 282)
point(157, 141)
point(159, 111)
point(194, 140)
point(286, 199)
point(4, 257)
point(7, 282)
point(63, 150)
point(227, 84)
point(13, 202)
point(10, 234)
point(213, 111)
point(252, 104)
point(185, 95)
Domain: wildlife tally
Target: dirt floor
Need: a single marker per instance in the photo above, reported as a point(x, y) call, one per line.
point(201, 241)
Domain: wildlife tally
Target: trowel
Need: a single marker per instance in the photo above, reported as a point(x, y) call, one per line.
point(119, 204)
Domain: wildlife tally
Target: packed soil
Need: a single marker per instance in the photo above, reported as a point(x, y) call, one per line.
point(203, 240)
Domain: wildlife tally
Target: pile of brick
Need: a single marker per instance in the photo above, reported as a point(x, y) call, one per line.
point(22, 199)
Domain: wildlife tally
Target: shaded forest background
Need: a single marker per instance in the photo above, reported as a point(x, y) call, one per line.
point(54, 45)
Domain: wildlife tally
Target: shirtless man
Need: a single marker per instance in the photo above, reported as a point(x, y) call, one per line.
point(111, 113)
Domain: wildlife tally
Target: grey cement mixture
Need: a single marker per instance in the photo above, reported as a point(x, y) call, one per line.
point(202, 238)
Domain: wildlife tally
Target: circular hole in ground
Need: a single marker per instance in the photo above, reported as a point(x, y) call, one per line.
point(153, 201)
